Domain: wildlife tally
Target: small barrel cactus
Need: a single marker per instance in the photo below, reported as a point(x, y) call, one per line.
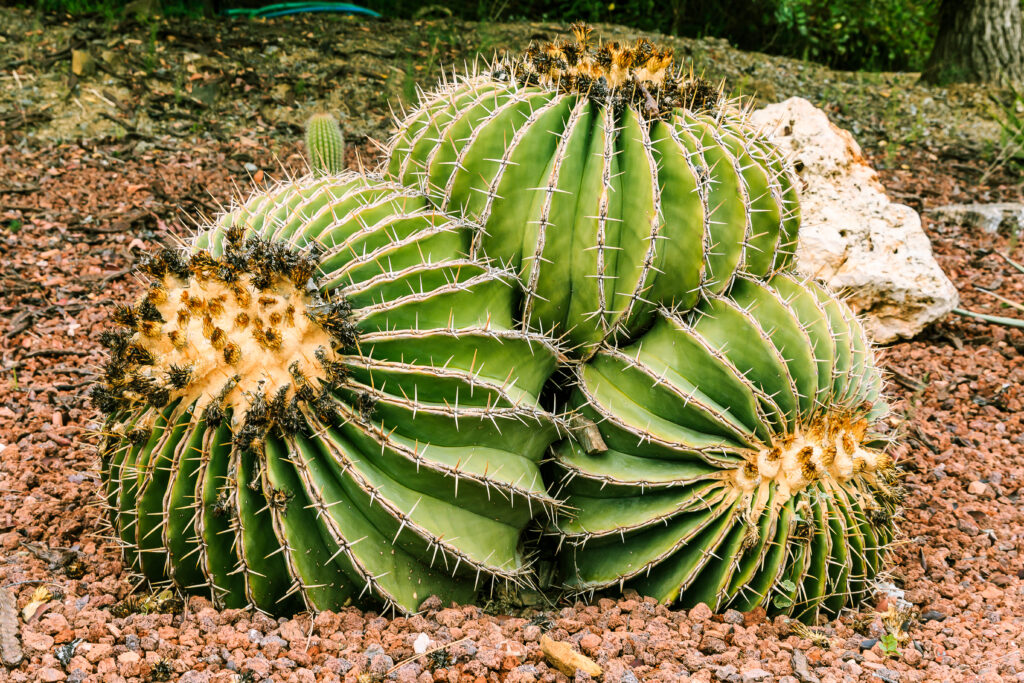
point(611, 180)
point(325, 144)
point(737, 463)
point(325, 399)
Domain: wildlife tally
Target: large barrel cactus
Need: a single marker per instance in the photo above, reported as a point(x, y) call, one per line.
point(739, 466)
point(323, 399)
point(609, 179)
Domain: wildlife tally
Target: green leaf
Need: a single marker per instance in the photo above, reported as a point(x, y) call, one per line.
point(782, 601)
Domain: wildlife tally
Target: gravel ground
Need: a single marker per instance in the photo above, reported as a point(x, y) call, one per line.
point(75, 216)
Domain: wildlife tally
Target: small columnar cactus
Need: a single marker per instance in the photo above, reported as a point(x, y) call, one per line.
point(610, 179)
point(325, 399)
point(325, 144)
point(737, 463)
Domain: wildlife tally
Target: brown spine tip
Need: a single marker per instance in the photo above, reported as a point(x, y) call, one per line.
point(750, 470)
point(156, 294)
point(215, 306)
point(808, 469)
point(218, 338)
point(150, 328)
point(242, 296)
point(232, 353)
point(177, 338)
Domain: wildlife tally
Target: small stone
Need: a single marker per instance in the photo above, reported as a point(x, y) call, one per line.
point(868, 644)
point(732, 616)
point(711, 645)
point(700, 612)
point(531, 633)
point(755, 675)
point(36, 643)
point(887, 675)
point(727, 672)
point(801, 668)
point(431, 604)
point(976, 488)
point(754, 617)
point(48, 674)
point(932, 615)
point(911, 656)
point(590, 643)
point(380, 665)
point(258, 667)
point(1001, 580)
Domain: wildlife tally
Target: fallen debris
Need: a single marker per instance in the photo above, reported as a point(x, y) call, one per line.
point(567, 660)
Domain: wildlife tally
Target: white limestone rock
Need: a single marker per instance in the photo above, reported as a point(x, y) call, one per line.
point(852, 236)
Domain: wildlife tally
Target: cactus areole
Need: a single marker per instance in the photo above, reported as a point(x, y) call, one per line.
point(741, 464)
point(611, 180)
point(325, 399)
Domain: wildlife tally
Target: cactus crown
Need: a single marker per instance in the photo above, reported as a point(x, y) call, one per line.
point(642, 76)
point(230, 330)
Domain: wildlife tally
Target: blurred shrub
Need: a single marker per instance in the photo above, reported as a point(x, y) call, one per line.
point(846, 34)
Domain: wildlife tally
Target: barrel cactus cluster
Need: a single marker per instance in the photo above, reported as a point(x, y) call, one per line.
point(346, 388)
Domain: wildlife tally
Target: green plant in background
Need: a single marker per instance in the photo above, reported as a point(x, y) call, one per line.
point(885, 35)
point(323, 400)
point(325, 144)
point(740, 465)
point(1010, 118)
point(610, 180)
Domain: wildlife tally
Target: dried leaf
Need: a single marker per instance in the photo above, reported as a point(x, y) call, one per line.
point(40, 597)
point(567, 660)
point(10, 647)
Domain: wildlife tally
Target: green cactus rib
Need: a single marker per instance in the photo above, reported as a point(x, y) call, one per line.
point(325, 144)
point(326, 401)
point(740, 464)
point(604, 209)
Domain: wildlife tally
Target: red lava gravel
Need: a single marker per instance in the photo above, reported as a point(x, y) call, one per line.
point(87, 210)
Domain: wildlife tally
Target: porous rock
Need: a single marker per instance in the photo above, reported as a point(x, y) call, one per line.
point(852, 236)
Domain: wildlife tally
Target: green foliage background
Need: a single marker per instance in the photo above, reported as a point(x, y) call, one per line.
point(846, 34)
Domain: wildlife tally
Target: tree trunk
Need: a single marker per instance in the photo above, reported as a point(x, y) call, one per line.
point(979, 41)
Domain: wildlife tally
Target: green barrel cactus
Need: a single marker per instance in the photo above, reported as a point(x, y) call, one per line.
point(737, 464)
point(325, 144)
point(325, 399)
point(610, 180)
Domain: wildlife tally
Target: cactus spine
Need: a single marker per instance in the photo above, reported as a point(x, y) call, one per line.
point(609, 179)
point(741, 467)
point(325, 400)
point(325, 144)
